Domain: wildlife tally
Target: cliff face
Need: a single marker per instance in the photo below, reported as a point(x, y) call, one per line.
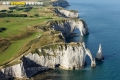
point(67, 13)
point(67, 56)
point(62, 3)
point(68, 26)
point(13, 71)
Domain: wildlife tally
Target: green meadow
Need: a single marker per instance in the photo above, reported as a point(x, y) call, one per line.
point(17, 25)
point(18, 29)
point(15, 48)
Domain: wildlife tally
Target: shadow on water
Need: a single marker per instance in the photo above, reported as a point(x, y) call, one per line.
point(88, 61)
point(98, 63)
point(78, 38)
point(74, 39)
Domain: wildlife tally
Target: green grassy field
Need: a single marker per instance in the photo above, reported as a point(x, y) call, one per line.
point(15, 48)
point(16, 26)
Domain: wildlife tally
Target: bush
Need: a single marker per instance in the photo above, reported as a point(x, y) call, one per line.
point(12, 15)
point(2, 29)
point(10, 11)
point(23, 15)
point(26, 10)
point(7, 20)
point(2, 14)
point(18, 9)
point(29, 7)
point(37, 15)
point(31, 16)
point(11, 8)
point(3, 10)
point(49, 18)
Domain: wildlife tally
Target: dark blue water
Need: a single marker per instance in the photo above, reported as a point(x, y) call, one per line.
point(103, 20)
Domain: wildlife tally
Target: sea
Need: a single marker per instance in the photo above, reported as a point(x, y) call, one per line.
point(103, 20)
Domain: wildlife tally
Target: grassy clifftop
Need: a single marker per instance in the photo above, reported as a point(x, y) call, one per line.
point(27, 33)
point(20, 30)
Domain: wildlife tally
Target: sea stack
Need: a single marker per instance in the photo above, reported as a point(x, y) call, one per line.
point(99, 55)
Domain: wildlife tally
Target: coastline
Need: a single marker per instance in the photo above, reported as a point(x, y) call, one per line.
point(46, 74)
point(84, 33)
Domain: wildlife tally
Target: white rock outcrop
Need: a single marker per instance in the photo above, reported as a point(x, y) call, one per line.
point(68, 56)
point(67, 13)
point(13, 71)
point(67, 27)
point(99, 55)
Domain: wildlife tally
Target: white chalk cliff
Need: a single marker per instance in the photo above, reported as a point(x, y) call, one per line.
point(67, 13)
point(68, 26)
point(99, 55)
point(68, 56)
point(13, 71)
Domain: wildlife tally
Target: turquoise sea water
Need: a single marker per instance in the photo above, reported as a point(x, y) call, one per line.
point(103, 20)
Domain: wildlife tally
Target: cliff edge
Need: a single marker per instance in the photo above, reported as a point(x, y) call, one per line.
point(68, 26)
point(67, 56)
point(67, 13)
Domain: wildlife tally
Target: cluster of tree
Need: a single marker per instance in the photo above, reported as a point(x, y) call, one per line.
point(27, 9)
point(18, 8)
point(12, 8)
point(3, 10)
point(12, 15)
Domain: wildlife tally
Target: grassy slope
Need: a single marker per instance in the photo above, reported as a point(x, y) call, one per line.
point(15, 48)
point(16, 26)
point(19, 25)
